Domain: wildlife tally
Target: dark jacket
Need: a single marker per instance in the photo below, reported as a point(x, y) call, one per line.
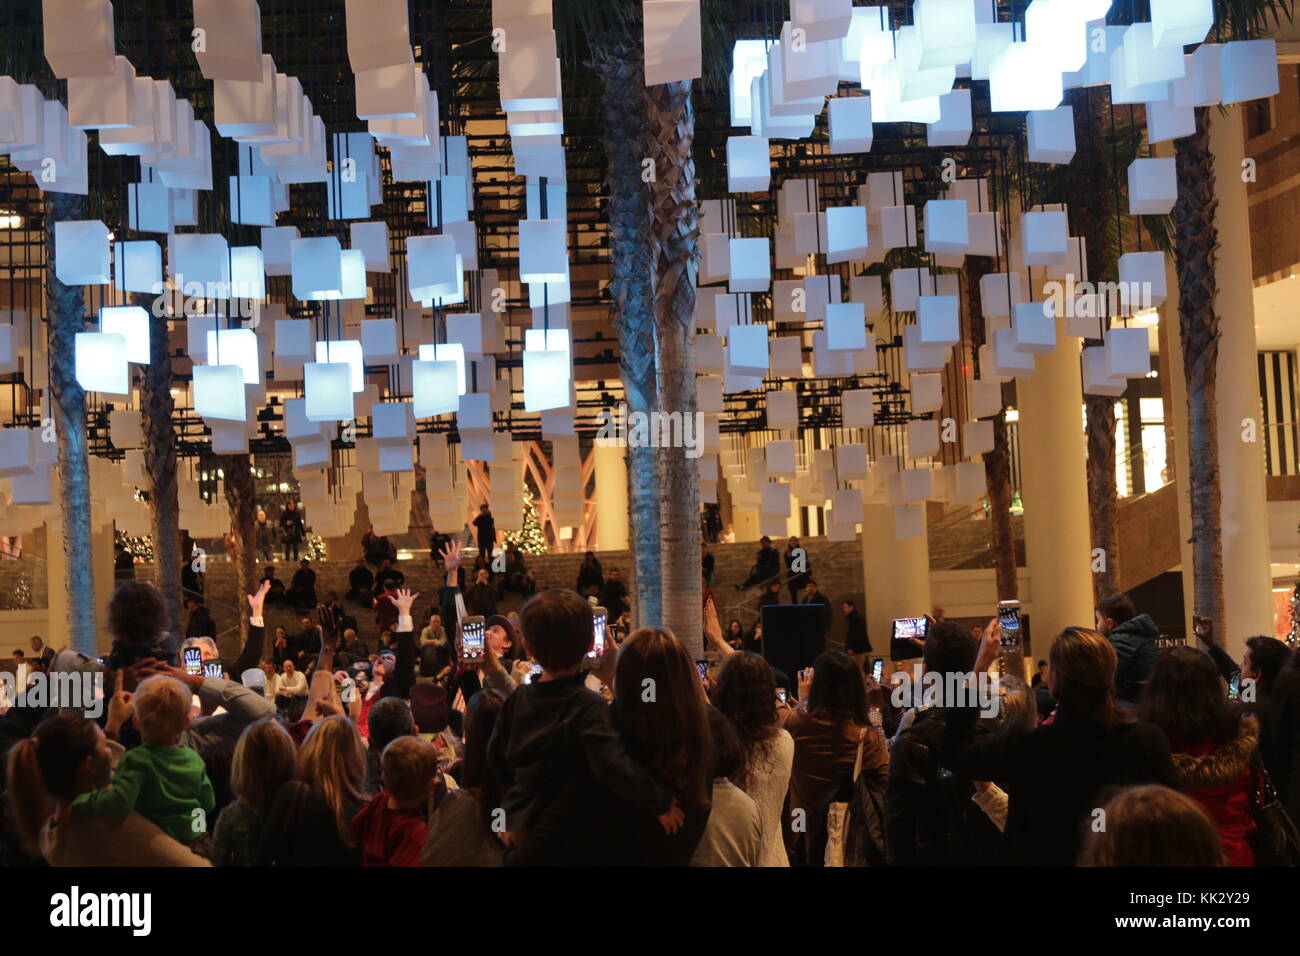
point(1135, 646)
point(855, 634)
point(201, 624)
point(1281, 738)
point(767, 563)
point(825, 602)
point(360, 579)
point(930, 818)
point(1056, 775)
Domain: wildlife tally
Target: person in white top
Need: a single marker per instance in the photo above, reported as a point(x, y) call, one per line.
point(734, 834)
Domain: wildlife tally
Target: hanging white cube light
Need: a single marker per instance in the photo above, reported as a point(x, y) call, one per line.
point(132, 323)
point(1128, 353)
point(149, 207)
point(231, 47)
point(236, 348)
point(293, 342)
point(317, 267)
point(392, 423)
point(1006, 359)
point(937, 317)
point(219, 392)
point(1096, 377)
point(391, 92)
point(898, 227)
point(202, 261)
point(990, 40)
point(822, 20)
point(776, 499)
point(447, 352)
point(354, 275)
point(1144, 283)
point(786, 355)
point(344, 352)
point(947, 226)
point(998, 292)
point(1034, 325)
point(1179, 23)
point(1166, 122)
point(247, 273)
point(371, 238)
point(850, 462)
point(869, 43)
point(251, 200)
point(749, 165)
point(947, 31)
point(782, 412)
point(1055, 26)
point(917, 81)
point(985, 398)
point(1024, 77)
point(79, 37)
point(1124, 89)
point(846, 233)
point(869, 290)
point(103, 102)
point(1145, 63)
point(673, 45)
point(1046, 237)
point(1152, 186)
point(747, 352)
point(138, 266)
point(916, 484)
point(919, 357)
point(927, 392)
point(1203, 84)
point(1050, 135)
point(751, 265)
point(858, 408)
point(243, 108)
point(850, 124)
point(327, 387)
point(81, 252)
point(846, 326)
point(431, 264)
point(379, 341)
point(277, 250)
point(977, 437)
point(543, 250)
point(808, 69)
point(985, 234)
point(435, 388)
point(954, 125)
point(530, 70)
point(923, 439)
point(906, 286)
point(100, 362)
point(1248, 70)
point(378, 33)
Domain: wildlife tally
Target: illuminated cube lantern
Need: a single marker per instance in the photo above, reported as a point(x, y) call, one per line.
point(808, 69)
point(101, 363)
point(920, 357)
point(749, 165)
point(1007, 361)
point(79, 37)
point(822, 19)
point(968, 483)
point(435, 388)
point(937, 319)
point(447, 352)
point(1146, 63)
point(372, 239)
point(898, 227)
point(1203, 84)
point(985, 234)
point(251, 201)
point(219, 392)
point(923, 439)
point(378, 33)
point(1074, 267)
point(998, 292)
point(846, 326)
point(543, 250)
point(786, 356)
point(232, 39)
point(709, 393)
point(846, 233)
point(327, 387)
point(776, 499)
point(715, 259)
point(673, 45)
point(530, 70)
point(708, 354)
point(782, 412)
point(1166, 122)
point(906, 286)
point(1024, 77)
point(954, 126)
point(977, 437)
point(132, 323)
point(850, 462)
point(1050, 135)
point(139, 266)
point(35, 487)
point(238, 348)
point(985, 398)
point(914, 82)
point(293, 341)
point(9, 345)
point(1035, 328)
point(247, 273)
point(390, 92)
point(946, 29)
point(947, 226)
point(379, 341)
point(927, 392)
point(1096, 376)
point(81, 252)
point(392, 422)
point(917, 483)
point(1143, 279)
point(809, 233)
point(1123, 89)
point(103, 102)
point(751, 265)
point(858, 408)
point(1128, 353)
point(149, 207)
point(990, 40)
point(868, 290)
point(1058, 30)
point(431, 265)
point(1046, 237)
point(277, 250)
point(202, 259)
point(1248, 70)
point(246, 108)
point(1180, 23)
point(1152, 186)
point(850, 124)
point(747, 350)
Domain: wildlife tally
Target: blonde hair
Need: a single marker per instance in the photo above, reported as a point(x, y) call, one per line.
point(1019, 705)
point(332, 761)
point(162, 709)
point(407, 766)
point(263, 763)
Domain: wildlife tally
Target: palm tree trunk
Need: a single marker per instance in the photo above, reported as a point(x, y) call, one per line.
point(243, 525)
point(997, 463)
point(1196, 237)
point(669, 138)
point(632, 287)
point(67, 317)
point(157, 406)
point(1091, 186)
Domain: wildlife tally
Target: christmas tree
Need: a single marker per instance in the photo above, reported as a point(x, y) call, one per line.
point(1293, 638)
point(530, 538)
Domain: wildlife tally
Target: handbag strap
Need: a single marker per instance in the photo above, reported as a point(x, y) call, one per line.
point(857, 763)
point(1263, 792)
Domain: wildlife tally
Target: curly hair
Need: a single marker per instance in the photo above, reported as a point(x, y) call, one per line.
point(137, 615)
point(746, 695)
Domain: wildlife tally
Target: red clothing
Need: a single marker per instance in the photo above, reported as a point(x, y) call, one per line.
point(388, 837)
point(1220, 778)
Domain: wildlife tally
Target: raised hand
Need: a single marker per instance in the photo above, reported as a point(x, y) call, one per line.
point(451, 556)
point(330, 619)
point(403, 600)
point(257, 600)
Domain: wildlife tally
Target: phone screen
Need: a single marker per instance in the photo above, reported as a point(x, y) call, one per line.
point(533, 674)
point(1009, 619)
point(471, 638)
point(878, 669)
point(598, 618)
point(213, 669)
point(907, 627)
point(193, 661)
point(703, 668)
point(780, 692)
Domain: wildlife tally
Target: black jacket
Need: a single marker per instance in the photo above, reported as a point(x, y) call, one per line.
point(825, 602)
point(1135, 646)
point(856, 640)
point(1056, 776)
point(1280, 742)
point(201, 624)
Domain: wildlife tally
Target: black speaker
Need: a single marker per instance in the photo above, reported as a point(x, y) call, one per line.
point(793, 636)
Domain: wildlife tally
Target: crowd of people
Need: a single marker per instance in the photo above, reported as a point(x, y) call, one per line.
point(317, 748)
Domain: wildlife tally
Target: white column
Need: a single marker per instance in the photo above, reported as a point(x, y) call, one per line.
point(1247, 577)
point(1054, 489)
point(895, 575)
point(611, 498)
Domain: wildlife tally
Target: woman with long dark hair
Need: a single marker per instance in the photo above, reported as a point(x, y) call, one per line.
point(746, 695)
point(1055, 775)
point(1213, 746)
point(461, 829)
point(828, 728)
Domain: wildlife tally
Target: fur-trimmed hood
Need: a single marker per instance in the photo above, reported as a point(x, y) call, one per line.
point(1225, 763)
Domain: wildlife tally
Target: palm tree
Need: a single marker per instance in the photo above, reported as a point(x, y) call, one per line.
point(67, 317)
point(238, 472)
